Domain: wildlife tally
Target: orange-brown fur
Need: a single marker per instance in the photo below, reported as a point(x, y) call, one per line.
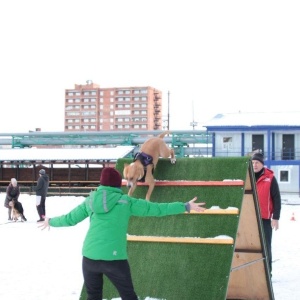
point(155, 147)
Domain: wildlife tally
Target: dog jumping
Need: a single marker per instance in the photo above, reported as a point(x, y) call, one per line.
point(17, 211)
point(144, 163)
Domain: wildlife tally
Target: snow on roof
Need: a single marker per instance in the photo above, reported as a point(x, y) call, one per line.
point(64, 154)
point(256, 119)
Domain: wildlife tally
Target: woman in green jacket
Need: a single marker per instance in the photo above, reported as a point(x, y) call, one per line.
point(105, 246)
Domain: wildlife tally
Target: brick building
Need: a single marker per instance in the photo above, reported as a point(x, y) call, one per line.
point(92, 108)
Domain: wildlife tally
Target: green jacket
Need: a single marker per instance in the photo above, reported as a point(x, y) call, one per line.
point(109, 210)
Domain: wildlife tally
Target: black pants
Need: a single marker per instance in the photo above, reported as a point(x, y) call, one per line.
point(41, 208)
point(118, 272)
point(268, 238)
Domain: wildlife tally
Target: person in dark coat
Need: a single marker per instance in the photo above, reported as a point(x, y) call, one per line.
point(12, 193)
point(269, 199)
point(41, 190)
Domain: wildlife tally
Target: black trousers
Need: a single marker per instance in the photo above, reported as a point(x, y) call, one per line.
point(268, 238)
point(117, 271)
point(41, 208)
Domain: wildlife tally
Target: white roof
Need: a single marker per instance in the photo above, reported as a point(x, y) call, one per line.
point(256, 119)
point(65, 154)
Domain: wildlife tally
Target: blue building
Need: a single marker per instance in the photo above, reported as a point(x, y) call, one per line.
point(276, 135)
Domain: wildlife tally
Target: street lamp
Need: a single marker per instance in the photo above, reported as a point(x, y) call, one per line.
point(193, 124)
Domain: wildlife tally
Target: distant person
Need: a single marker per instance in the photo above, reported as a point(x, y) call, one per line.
point(41, 190)
point(12, 193)
point(105, 245)
point(269, 200)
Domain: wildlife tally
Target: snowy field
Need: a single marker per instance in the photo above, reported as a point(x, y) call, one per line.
point(46, 265)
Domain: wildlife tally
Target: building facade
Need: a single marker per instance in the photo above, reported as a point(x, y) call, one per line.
point(275, 135)
point(92, 108)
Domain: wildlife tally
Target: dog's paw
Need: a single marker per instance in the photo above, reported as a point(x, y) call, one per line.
point(173, 161)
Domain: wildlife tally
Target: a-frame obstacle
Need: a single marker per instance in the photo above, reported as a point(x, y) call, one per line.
point(219, 254)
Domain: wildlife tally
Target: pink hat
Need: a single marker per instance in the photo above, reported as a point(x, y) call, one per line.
point(111, 177)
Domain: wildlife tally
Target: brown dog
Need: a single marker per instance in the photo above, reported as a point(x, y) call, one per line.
point(142, 168)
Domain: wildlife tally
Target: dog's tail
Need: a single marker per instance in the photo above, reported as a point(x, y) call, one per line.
point(162, 135)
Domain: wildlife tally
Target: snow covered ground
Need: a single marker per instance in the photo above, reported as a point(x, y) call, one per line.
point(46, 265)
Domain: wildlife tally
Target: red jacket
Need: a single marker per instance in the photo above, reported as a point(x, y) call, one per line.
point(266, 202)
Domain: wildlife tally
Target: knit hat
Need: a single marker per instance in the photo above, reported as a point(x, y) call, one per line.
point(259, 157)
point(42, 172)
point(111, 177)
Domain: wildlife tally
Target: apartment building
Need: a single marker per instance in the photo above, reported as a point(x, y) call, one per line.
point(92, 108)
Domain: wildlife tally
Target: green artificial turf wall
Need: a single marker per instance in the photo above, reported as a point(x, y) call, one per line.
point(175, 271)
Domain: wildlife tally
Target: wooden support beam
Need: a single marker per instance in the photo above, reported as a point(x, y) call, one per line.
point(189, 240)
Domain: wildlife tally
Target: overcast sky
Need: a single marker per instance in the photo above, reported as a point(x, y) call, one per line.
point(212, 56)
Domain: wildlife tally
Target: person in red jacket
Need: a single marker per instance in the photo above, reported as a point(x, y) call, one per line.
point(269, 200)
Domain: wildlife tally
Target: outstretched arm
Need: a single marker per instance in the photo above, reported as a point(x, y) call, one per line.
point(191, 205)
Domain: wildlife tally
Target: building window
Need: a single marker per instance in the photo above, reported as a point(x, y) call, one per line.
point(284, 176)
point(73, 114)
point(111, 99)
point(227, 143)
